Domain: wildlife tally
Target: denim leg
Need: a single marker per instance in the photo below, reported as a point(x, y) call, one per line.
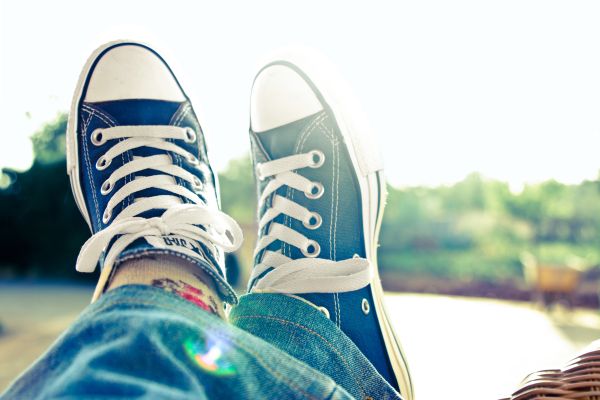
point(305, 333)
point(143, 342)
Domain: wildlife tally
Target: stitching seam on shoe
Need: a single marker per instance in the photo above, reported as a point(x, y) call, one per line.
point(178, 158)
point(110, 121)
point(89, 166)
point(286, 249)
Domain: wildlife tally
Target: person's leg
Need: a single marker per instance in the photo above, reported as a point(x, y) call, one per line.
point(139, 341)
point(174, 275)
point(315, 290)
point(141, 177)
point(305, 333)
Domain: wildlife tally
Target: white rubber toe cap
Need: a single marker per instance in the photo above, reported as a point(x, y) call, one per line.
point(280, 96)
point(132, 72)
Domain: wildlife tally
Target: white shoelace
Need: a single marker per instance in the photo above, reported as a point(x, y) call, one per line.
point(303, 275)
point(220, 230)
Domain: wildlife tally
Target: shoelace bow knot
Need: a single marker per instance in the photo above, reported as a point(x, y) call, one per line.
point(193, 220)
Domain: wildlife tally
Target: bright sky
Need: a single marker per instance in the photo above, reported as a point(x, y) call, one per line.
point(508, 88)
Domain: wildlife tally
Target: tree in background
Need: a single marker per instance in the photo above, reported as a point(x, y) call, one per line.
point(42, 230)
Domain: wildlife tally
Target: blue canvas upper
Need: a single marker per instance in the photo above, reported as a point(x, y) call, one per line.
point(140, 112)
point(340, 235)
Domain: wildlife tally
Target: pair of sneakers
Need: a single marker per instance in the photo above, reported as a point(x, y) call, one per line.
point(141, 177)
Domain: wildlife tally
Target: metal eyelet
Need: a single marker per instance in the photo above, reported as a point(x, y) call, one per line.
point(318, 158)
point(316, 191)
point(313, 222)
point(197, 184)
point(102, 163)
point(192, 160)
point(106, 216)
point(107, 187)
point(324, 310)
point(366, 307)
point(312, 249)
point(190, 135)
point(97, 137)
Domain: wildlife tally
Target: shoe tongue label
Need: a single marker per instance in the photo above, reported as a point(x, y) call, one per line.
point(176, 242)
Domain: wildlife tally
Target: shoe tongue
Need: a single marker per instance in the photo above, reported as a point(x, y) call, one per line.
point(140, 111)
point(290, 139)
point(154, 112)
point(143, 112)
point(283, 141)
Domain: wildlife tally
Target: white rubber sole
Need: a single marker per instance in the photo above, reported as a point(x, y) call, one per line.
point(353, 127)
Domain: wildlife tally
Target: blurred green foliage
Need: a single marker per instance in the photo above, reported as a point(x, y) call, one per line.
point(476, 229)
point(238, 191)
point(49, 143)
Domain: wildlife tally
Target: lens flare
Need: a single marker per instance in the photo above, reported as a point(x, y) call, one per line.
point(209, 357)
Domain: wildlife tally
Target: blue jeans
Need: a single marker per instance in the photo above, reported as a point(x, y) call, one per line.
point(143, 342)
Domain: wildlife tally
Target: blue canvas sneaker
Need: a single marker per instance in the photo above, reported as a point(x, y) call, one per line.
point(321, 197)
point(139, 169)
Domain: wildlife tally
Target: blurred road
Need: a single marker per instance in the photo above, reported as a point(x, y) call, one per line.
point(458, 348)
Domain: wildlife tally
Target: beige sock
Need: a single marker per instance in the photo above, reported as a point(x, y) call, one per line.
point(174, 275)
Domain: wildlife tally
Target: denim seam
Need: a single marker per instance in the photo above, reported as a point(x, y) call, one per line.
point(278, 377)
point(312, 332)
